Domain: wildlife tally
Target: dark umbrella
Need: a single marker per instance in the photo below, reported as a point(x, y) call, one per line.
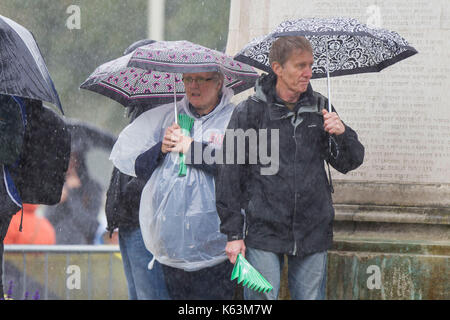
point(91, 146)
point(86, 136)
point(342, 46)
point(22, 69)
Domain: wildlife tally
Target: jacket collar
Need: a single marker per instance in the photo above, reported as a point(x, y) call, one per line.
point(265, 91)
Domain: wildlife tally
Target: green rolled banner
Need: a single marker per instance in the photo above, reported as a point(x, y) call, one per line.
point(186, 123)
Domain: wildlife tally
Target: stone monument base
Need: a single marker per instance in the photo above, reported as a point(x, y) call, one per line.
point(400, 250)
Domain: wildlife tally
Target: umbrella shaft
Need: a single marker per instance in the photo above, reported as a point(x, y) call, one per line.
point(328, 80)
point(175, 99)
point(329, 90)
point(329, 93)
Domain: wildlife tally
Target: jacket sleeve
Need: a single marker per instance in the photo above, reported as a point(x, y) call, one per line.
point(230, 181)
point(346, 153)
point(210, 168)
point(148, 161)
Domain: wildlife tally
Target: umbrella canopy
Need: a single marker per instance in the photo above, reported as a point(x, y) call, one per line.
point(137, 44)
point(86, 136)
point(341, 46)
point(91, 146)
point(133, 86)
point(23, 70)
point(135, 79)
point(187, 57)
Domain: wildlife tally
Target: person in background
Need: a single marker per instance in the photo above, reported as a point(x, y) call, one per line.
point(75, 218)
point(36, 229)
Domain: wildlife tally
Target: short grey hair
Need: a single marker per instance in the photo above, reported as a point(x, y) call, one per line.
point(282, 48)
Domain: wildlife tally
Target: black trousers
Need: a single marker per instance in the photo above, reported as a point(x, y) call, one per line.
point(5, 219)
point(211, 283)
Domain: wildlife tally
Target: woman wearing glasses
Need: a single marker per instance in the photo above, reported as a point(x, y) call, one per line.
point(177, 214)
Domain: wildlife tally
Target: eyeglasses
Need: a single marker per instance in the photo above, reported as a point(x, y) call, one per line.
point(200, 81)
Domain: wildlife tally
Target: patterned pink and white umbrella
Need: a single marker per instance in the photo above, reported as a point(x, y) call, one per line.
point(137, 79)
point(187, 57)
point(133, 86)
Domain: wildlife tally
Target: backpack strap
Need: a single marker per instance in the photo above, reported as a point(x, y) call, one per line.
point(322, 103)
point(254, 112)
point(252, 119)
point(11, 188)
point(9, 183)
point(23, 110)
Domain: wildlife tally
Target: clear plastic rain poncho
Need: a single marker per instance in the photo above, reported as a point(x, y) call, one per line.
point(177, 215)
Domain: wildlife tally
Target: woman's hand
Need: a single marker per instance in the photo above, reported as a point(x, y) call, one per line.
point(175, 141)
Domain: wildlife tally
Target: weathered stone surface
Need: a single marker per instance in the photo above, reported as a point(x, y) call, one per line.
point(391, 194)
point(388, 270)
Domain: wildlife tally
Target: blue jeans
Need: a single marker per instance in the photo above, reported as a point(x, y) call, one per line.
point(306, 275)
point(143, 284)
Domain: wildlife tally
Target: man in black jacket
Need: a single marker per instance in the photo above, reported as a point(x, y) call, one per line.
point(288, 206)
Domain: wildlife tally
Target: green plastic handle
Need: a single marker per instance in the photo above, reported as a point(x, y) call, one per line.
point(183, 168)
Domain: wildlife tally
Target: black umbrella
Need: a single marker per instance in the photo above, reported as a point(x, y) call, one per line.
point(342, 46)
point(91, 146)
point(86, 136)
point(23, 71)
